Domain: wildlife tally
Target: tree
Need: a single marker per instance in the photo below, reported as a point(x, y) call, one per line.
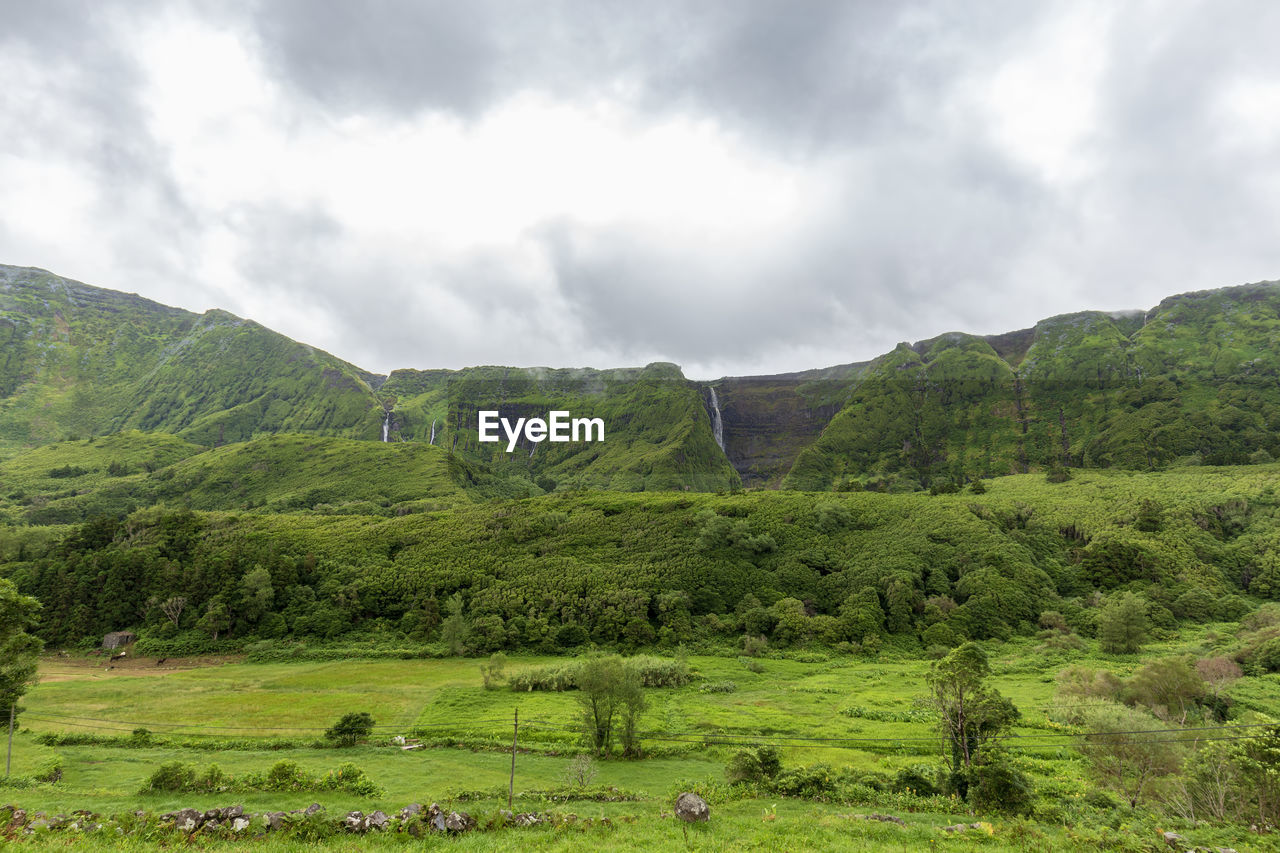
point(1170, 687)
point(970, 713)
point(1122, 625)
point(612, 701)
point(454, 629)
point(350, 728)
point(18, 649)
point(1128, 750)
point(599, 679)
point(257, 593)
point(216, 618)
point(1217, 673)
point(172, 608)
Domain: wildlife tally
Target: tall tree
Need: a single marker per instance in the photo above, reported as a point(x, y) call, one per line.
point(1122, 625)
point(18, 649)
point(970, 713)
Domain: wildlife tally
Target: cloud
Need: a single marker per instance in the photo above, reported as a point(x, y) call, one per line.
point(738, 186)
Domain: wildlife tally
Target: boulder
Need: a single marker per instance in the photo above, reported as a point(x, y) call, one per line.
point(312, 809)
point(887, 818)
point(410, 810)
point(116, 639)
point(239, 824)
point(377, 821)
point(459, 822)
point(187, 820)
point(691, 808)
point(354, 821)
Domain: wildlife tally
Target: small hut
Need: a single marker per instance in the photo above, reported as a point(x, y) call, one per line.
point(117, 639)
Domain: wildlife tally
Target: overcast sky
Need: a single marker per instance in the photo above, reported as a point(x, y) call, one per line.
point(738, 186)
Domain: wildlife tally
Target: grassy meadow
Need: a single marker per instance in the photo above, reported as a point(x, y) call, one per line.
point(247, 716)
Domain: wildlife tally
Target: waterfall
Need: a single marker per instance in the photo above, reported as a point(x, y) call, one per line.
point(433, 432)
point(717, 425)
point(386, 426)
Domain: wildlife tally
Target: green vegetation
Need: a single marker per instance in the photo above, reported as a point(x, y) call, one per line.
point(18, 649)
point(555, 572)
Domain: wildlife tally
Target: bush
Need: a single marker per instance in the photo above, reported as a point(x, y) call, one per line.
point(352, 728)
point(998, 787)
point(283, 776)
point(171, 776)
point(719, 687)
point(917, 780)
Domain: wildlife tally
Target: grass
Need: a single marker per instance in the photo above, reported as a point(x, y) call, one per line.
point(788, 698)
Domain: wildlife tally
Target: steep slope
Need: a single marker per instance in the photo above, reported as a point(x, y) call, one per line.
point(657, 431)
point(768, 420)
point(79, 360)
point(70, 482)
point(1192, 379)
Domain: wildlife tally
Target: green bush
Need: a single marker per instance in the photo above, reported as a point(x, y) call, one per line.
point(351, 729)
point(998, 787)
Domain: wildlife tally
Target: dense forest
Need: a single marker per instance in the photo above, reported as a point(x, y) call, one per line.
point(555, 572)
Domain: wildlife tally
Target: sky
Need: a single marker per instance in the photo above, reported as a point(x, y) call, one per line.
point(737, 186)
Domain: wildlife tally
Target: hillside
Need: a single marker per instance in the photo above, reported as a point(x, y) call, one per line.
point(549, 572)
point(1195, 378)
point(80, 361)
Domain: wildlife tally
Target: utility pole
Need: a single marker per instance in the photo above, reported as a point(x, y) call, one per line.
point(515, 736)
point(8, 758)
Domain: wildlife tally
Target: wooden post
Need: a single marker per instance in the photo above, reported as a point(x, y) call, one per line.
point(515, 736)
point(8, 758)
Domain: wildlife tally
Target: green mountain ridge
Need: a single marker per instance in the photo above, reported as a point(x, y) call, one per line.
point(1192, 380)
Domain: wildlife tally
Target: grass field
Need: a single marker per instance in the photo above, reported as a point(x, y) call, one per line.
point(251, 706)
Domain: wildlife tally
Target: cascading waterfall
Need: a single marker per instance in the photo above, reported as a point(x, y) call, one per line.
point(433, 432)
point(386, 427)
point(717, 425)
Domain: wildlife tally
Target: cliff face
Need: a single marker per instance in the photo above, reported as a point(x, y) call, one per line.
point(1195, 379)
point(768, 420)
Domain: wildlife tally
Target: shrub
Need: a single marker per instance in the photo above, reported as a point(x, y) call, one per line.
point(171, 776)
point(998, 787)
point(719, 687)
point(352, 728)
point(581, 771)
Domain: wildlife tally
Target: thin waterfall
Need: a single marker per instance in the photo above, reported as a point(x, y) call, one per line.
point(386, 427)
point(717, 425)
point(433, 432)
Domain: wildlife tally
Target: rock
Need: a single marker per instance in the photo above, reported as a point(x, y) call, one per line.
point(410, 810)
point(887, 818)
point(378, 820)
point(955, 827)
point(436, 818)
point(312, 809)
point(1173, 839)
point(275, 820)
point(691, 808)
point(354, 821)
point(459, 822)
point(116, 639)
point(187, 820)
point(239, 824)
point(232, 812)
point(526, 819)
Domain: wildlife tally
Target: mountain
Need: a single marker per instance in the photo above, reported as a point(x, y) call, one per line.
point(1193, 380)
point(80, 361)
